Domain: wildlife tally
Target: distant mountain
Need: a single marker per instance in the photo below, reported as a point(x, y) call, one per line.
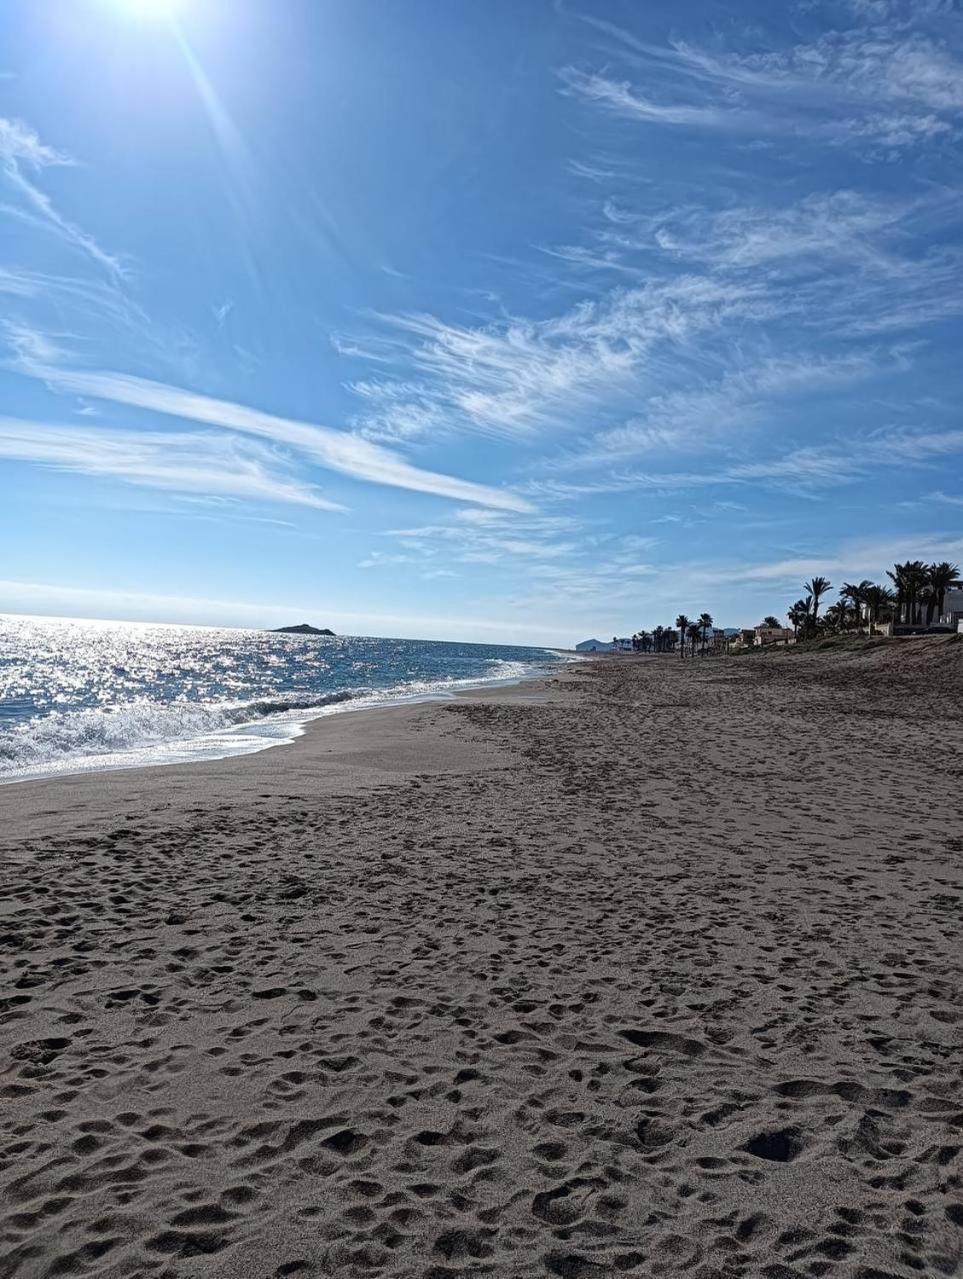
point(303, 629)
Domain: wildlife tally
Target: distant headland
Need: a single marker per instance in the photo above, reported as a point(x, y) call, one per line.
point(303, 629)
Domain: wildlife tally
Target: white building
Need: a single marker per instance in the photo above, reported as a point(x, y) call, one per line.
point(952, 608)
point(605, 646)
point(773, 635)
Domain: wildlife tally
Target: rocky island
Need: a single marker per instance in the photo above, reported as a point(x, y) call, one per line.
point(302, 629)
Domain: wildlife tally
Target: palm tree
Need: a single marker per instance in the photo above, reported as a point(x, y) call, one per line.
point(772, 622)
point(877, 598)
point(897, 575)
point(856, 593)
point(864, 586)
point(941, 578)
point(682, 625)
point(837, 615)
point(799, 615)
point(848, 594)
point(916, 577)
point(694, 632)
point(927, 604)
point(909, 579)
point(817, 588)
point(705, 621)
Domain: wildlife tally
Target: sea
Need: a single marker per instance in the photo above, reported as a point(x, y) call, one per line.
point(82, 695)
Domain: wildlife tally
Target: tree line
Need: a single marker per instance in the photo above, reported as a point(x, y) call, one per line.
point(916, 595)
point(687, 635)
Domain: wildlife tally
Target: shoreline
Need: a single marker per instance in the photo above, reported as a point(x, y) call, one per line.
point(334, 754)
point(639, 969)
point(289, 730)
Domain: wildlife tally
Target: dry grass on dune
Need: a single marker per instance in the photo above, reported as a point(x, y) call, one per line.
point(922, 672)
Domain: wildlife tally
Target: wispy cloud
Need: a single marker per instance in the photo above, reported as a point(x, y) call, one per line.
point(21, 151)
point(912, 444)
point(842, 225)
point(185, 462)
point(842, 261)
point(520, 376)
point(700, 416)
point(878, 85)
point(902, 12)
point(598, 602)
point(477, 537)
point(20, 144)
point(803, 470)
point(722, 288)
point(852, 558)
point(619, 96)
point(78, 302)
point(30, 346)
point(332, 449)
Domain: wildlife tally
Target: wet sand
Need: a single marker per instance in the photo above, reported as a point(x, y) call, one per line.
point(653, 969)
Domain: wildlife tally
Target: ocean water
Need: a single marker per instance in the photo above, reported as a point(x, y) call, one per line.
point(89, 695)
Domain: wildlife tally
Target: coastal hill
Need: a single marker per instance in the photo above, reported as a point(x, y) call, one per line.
point(302, 629)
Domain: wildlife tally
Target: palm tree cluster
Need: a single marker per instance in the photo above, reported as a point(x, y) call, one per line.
point(660, 640)
point(918, 597)
point(687, 635)
point(920, 590)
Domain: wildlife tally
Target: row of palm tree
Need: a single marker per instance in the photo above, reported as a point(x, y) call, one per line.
point(660, 640)
point(685, 636)
point(921, 589)
point(804, 614)
point(918, 597)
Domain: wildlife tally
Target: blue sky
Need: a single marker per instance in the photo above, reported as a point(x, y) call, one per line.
point(495, 321)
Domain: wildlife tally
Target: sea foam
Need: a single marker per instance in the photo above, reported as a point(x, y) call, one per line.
point(159, 694)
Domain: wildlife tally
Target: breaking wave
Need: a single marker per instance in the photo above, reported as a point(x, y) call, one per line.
point(145, 731)
point(141, 723)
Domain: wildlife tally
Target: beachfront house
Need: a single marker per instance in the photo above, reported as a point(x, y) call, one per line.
point(744, 637)
point(763, 635)
point(952, 614)
point(615, 645)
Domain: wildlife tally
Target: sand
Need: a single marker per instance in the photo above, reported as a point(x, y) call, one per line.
point(653, 969)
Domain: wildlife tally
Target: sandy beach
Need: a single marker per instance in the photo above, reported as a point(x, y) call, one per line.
point(654, 968)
